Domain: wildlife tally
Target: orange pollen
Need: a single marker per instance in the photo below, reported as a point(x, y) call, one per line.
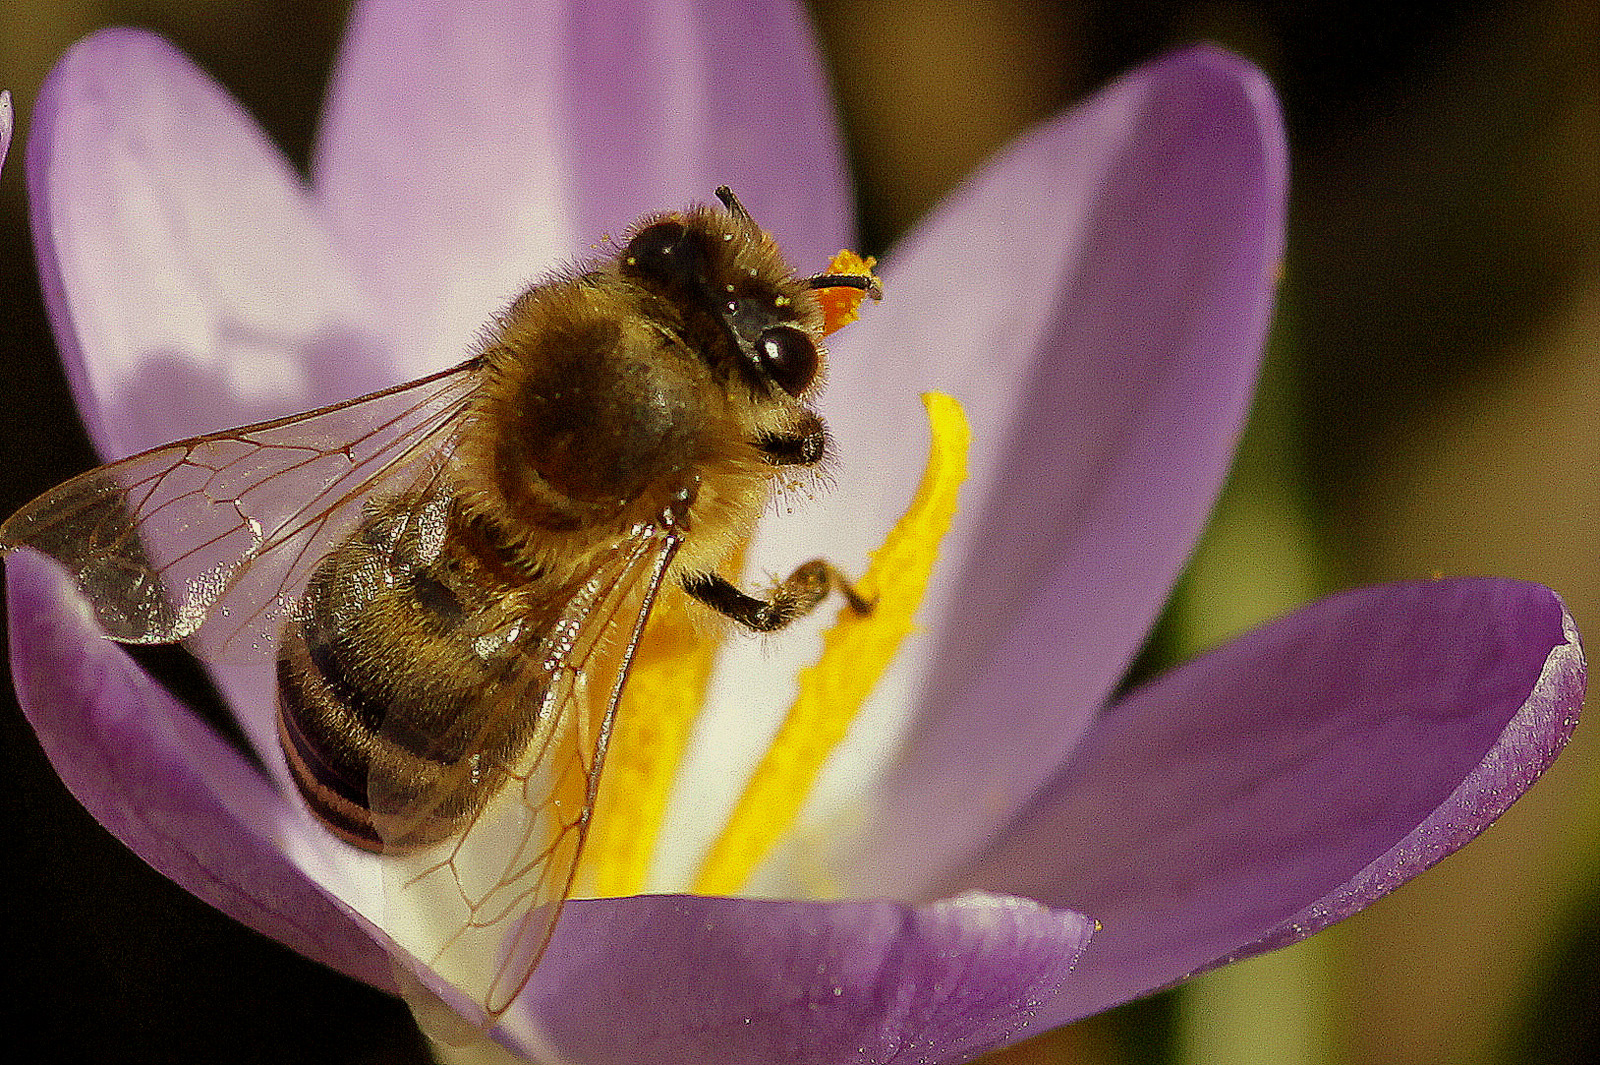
point(841, 306)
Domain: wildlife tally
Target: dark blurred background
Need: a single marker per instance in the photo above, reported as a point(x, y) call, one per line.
point(1430, 405)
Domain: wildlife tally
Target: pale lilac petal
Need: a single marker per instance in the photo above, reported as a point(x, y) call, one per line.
point(189, 285)
point(6, 119)
point(743, 101)
point(1097, 297)
point(469, 149)
point(681, 980)
point(1287, 780)
point(164, 782)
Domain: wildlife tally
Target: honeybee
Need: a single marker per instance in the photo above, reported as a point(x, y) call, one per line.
point(452, 575)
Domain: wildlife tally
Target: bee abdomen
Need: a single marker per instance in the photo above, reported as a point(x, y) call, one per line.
point(342, 757)
point(332, 776)
point(381, 694)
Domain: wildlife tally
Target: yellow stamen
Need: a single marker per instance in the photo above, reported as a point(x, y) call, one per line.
point(672, 669)
point(856, 652)
point(666, 688)
point(841, 306)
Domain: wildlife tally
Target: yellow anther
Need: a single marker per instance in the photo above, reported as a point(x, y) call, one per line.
point(856, 652)
point(672, 669)
point(666, 688)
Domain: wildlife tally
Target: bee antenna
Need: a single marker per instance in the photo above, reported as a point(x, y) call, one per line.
point(865, 282)
point(731, 202)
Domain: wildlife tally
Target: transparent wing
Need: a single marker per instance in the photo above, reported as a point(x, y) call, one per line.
point(479, 909)
point(217, 535)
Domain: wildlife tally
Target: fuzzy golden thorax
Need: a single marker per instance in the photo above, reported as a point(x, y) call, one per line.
point(634, 393)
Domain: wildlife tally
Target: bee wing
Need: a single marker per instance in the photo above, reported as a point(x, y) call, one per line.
point(479, 908)
point(220, 532)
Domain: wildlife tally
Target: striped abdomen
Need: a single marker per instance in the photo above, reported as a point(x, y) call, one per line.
point(392, 677)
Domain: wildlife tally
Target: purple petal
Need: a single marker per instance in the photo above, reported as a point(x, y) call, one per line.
point(5, 124)
point(1098, 298)
point(162, 781)
point(680, 979)
point(468, 150)
point(1280, 784)
point(694, 95)
point(190, 287)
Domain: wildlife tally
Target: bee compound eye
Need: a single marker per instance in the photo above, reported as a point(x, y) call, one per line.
point(665, 252)
point(788, 357)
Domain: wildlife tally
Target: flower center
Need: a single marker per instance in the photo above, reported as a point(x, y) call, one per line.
point(672, 668)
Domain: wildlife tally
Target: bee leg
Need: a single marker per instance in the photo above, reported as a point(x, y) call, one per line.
point(805, 445)
point(796, 595)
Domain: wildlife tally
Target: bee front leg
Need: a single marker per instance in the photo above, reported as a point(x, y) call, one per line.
point(796, 595)
point(804, 445)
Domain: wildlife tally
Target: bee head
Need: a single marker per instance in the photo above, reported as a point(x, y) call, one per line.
point(742, 308)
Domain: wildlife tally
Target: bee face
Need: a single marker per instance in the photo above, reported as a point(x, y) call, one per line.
point(468, 561)
point(757, 326)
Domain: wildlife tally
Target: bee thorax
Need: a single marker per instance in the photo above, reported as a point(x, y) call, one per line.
point(600, 423)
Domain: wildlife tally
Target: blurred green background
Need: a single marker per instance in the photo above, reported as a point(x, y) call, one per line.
point(1429, 405)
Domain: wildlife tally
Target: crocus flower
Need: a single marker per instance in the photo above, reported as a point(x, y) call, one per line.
point(1005, 843)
